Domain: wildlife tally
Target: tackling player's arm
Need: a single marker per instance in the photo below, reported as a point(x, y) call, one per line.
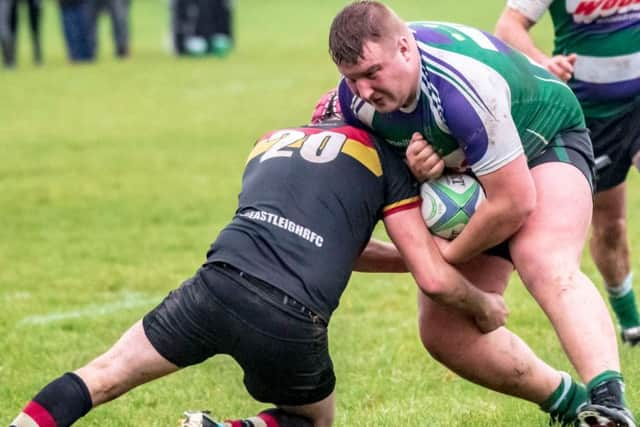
point(513, 27)
point(435, 277)
point(380, 257)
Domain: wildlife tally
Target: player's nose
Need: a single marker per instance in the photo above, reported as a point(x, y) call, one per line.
point(363, 89)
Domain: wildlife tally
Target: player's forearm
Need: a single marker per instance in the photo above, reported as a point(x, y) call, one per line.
point(513, 28)
point(447, 286)
point(380, 257)
point(493, 223)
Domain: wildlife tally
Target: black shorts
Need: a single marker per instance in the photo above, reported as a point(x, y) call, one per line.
point(281, 346)
point(615, 141)
point(571, 146)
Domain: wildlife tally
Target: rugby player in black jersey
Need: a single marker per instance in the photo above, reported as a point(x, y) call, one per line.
point(311, 197)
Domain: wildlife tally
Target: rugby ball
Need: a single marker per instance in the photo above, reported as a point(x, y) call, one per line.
point(448, 203)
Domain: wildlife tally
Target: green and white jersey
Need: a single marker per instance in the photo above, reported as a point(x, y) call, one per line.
point(481, 103)
point(605, 34)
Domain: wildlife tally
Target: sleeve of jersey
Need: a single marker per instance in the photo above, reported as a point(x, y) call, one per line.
point(476, 105)
point(532, 9)
point(349, 105)
point(401, 188)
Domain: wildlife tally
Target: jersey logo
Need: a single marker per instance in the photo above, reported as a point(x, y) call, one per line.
point(587, 11)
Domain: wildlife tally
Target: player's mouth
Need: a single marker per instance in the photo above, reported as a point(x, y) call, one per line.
point(377, 100)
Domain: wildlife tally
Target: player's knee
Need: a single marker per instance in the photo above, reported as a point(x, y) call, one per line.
point(610, 231)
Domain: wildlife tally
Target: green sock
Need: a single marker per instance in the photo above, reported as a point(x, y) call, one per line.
point(565, 401)
point(623, 302)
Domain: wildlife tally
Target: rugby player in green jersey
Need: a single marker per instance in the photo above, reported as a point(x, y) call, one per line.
point(454, 96)
point(597, 50)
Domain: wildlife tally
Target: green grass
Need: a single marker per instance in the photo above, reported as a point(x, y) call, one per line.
point(116, 176)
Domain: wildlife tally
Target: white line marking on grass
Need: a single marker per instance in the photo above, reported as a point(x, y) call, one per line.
point(18, 295)
point(129, 300)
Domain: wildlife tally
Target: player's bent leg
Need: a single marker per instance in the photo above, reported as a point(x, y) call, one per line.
point(131, 361)
point(498, 360)
point(546, 252)
point(609, 246)
point(610, 253)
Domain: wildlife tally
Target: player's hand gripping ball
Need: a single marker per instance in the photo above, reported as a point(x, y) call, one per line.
point(448, 203)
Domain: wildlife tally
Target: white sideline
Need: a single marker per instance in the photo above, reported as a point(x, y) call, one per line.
point(129, 300)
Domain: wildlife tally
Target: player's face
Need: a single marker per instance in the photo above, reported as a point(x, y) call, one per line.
point(386, 76)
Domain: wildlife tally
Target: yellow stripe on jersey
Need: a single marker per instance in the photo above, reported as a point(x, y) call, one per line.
point(410, 202)
point(265, 144)
point(367, 156)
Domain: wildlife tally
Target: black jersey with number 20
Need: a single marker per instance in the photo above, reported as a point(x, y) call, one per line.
point(310, 199)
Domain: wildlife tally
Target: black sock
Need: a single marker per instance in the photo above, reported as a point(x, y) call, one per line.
point(59, 404)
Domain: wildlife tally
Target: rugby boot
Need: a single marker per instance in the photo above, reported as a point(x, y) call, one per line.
point(606, 407)
point(199, 419)
point(631, 336)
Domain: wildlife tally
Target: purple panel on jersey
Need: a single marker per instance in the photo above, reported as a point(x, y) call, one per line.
point(462, 119)
point(618, 91)
point(452, 70)
point(430, 35)
point(345, 96)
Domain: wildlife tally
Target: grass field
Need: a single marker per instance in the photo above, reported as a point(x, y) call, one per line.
point(116, 176)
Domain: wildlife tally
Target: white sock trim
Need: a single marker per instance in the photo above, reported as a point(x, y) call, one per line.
point(23, 420)
point(618, 291)
point(566, 386)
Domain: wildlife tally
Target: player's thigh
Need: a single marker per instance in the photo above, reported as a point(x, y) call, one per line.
point(553, 236)
point(489, 273)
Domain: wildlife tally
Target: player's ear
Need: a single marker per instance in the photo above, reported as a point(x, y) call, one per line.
point(404, 47)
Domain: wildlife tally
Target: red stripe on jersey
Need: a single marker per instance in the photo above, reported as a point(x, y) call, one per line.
point(403, 205)
point(357, 134)
point(271, 422)
point(39, 414)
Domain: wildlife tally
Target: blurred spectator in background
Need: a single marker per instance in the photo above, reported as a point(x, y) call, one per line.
point(9, 27)
point(74, 14)
point(202, 27)
point(119, 12)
